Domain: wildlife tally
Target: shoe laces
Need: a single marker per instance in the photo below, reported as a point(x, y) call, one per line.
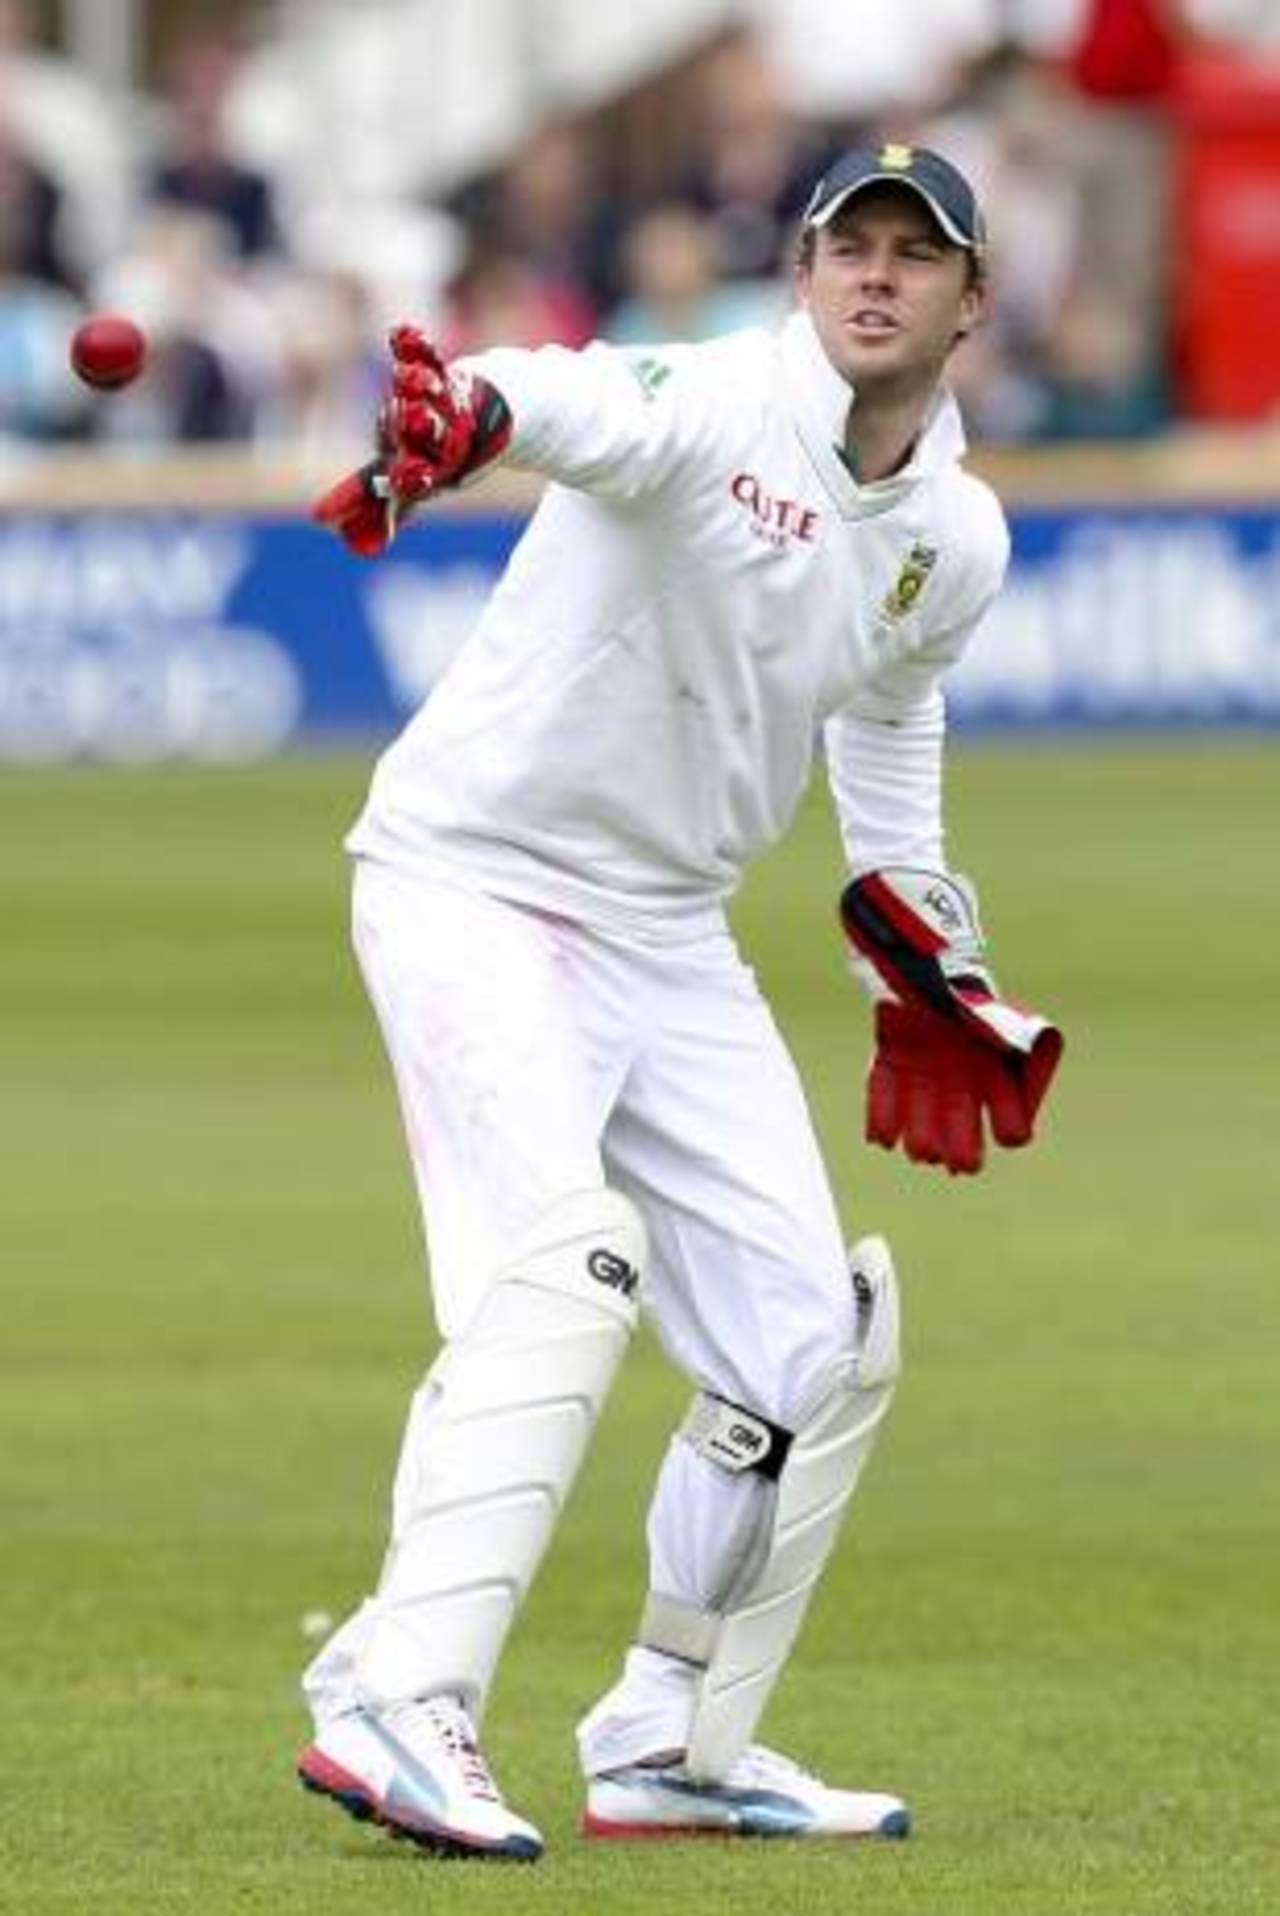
point(762, 1767)
point(451, 1726)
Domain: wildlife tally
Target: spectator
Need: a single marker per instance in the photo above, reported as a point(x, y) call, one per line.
point(74, 137)
point(756, 164)
point(215, 350)
point(1009, 127)
point(1103, 382)
point(1108, 356)
point(38, 398)
point(331, 377)
point(500, 298)
point(198, 170)
point(31, 213)
point(547, 210)
point(671, 270)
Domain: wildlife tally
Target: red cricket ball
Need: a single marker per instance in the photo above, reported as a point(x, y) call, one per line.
point(108, 350)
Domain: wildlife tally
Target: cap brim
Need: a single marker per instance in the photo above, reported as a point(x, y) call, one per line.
point(825, 214)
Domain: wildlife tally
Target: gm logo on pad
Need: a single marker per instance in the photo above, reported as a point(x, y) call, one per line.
point(608, 1268)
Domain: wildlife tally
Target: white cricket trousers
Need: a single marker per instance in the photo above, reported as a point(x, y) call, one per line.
point(535, 1058)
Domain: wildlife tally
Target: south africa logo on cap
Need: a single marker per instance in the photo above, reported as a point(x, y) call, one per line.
point(894, 158)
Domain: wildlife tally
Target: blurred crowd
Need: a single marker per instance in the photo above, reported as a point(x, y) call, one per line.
point(672, 218)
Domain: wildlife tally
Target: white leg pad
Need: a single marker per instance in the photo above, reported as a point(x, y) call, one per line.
point(745, 1642)
point(502, 1425)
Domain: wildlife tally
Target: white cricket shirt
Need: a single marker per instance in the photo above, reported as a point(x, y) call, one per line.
point(704, 593)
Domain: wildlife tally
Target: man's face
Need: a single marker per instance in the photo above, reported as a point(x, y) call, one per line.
point(887, 292)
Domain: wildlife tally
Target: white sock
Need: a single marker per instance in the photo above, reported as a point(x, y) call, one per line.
point(647, 1713)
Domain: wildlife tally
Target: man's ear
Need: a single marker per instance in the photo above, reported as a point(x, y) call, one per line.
point(973, 309)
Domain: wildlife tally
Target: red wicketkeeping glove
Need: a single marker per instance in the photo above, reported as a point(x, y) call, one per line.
point(361, 511)
point(440, 426)
point(952, 1060)
point(932, 1083)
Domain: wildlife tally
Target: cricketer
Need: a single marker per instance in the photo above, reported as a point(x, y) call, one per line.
point(751, 553)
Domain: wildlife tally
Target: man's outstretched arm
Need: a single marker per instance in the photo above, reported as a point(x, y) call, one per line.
point(604, 419)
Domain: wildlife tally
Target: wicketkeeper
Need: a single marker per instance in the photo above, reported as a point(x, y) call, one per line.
point(749, 552)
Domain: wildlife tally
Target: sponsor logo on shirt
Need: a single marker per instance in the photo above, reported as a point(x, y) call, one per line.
point(650, 374)
point(913, 575)
point(779, 522)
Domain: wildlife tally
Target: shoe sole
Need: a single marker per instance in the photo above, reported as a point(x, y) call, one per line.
point(323, 1777)
point(895, 1827)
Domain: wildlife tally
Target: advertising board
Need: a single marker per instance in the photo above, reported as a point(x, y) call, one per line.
point(140, 635)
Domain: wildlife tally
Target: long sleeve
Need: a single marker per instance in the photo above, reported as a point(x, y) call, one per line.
point(606, 420)
point(886, 780)
point(884, 749)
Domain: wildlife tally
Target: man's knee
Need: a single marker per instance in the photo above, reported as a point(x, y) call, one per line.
point(510, 1405)
point(806, 1475)
point(859, 1331)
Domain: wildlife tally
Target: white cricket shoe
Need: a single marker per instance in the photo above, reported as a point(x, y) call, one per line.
point(763, 1795)
point(415, 1769)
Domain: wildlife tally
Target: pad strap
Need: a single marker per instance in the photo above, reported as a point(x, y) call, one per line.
point(736, 1438)
point(676, 1628)
point(741, 1646)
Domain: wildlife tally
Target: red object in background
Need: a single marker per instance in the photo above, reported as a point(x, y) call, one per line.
point(1225, 227)
point(1125, 50)
point(108, 350)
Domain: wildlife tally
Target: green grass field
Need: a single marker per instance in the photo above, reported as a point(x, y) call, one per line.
point(1055, 1620)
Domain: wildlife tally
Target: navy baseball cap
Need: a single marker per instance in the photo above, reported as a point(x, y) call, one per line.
point(943, 188)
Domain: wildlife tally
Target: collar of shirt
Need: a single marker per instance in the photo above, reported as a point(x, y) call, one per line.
point(819, 400)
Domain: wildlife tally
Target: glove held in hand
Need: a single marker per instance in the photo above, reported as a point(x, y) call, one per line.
point(440, 427)
point(949, 1051)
